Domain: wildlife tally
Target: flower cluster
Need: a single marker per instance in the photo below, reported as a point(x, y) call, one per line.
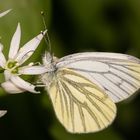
point(3, 112)
point(13, 67)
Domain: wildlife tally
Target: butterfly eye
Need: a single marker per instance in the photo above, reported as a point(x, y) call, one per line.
point(55, 59)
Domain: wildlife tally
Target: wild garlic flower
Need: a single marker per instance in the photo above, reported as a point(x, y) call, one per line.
point(2, 112)
point(4, 13)
point(12, 67)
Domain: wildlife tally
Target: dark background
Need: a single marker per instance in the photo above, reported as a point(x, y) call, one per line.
point(73, 26)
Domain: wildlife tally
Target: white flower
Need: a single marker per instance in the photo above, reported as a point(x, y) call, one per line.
point(2, 112)
point(4, 13)
point(16, 57)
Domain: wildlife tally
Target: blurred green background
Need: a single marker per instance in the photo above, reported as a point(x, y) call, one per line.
point(74, 26)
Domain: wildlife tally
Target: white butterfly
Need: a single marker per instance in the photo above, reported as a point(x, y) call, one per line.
point(84, 87)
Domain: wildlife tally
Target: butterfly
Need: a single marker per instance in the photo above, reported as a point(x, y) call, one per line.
point(84, 87)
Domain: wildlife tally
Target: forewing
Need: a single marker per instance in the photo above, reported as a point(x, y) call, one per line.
point(117, 74)
point(80, 105)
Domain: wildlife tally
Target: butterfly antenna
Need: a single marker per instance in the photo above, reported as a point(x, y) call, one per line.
point(46, 36)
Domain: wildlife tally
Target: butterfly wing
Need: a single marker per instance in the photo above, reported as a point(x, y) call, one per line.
point(80, 105)
point(117, 74)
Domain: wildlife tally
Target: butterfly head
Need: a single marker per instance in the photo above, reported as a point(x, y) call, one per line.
point(49, 61)
point(47, 58)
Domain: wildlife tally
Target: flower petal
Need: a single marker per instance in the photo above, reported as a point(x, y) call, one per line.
point(7, 75)
point(2, 112)
point(28, 49)
point(1, 47)
point(2, 57)
point(15, 42)
point(23, 84)
point(4, 13)
point(32, 70)
point(9, 87)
